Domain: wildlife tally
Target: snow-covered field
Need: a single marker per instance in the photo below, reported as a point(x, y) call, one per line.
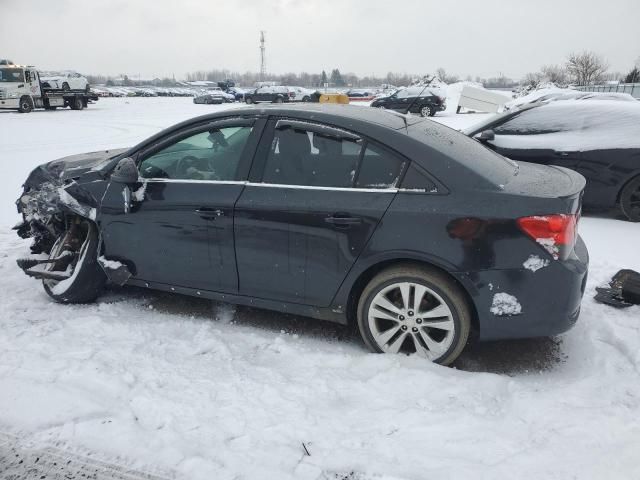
point(188, 389)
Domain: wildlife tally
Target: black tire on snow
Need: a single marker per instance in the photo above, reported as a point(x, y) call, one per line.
point(88, 278)
point(630, 200)
point(439, 282)
point(76, 103)
point(426, 111)
point(26, 104)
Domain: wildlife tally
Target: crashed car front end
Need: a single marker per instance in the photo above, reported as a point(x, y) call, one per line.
point(57, 196)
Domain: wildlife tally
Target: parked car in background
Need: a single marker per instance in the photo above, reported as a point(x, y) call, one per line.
point(66, 80)
point(420, 236)
point(421, 100)
point(210, 98)
point(361, 93)
point(300, 94)
point(598, 138)
point(237, 92)
point(269, 93)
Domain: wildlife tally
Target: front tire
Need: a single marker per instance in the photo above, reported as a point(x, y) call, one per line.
point(414, 310)
point(25, 105)
point(248, 100)
point(426, 111)
point(87, 277)
point(278, 100)
point(630, 200)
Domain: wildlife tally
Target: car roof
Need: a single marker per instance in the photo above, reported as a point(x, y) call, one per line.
point(329, 113)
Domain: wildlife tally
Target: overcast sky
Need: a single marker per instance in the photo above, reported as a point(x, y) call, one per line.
point(154, 38)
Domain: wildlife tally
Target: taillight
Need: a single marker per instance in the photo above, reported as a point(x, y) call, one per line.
point(556, 233)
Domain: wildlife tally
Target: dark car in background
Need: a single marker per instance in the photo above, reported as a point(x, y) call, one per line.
point(211, 97)
point(423, 101)
point(267, 93)
point(598, 138)
point(420, 236)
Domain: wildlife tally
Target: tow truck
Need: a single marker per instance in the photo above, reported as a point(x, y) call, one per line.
point(22, 90)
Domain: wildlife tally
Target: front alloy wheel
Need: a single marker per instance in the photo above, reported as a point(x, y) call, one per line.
point(425, 111)
point(414, 310)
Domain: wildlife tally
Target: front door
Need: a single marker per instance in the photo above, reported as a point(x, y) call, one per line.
point(318, 195)
point(179, 230)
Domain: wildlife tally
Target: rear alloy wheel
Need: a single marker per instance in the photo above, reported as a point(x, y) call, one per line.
point(414, 310)
point(426, 111)
point(630, 200)
point(26, 105)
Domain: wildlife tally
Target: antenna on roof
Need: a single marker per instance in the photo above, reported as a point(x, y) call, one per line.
point(263, 60)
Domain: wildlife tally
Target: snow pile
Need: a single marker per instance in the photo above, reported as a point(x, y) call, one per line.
point(547, 90)
point(535, 263)
point(505, 304)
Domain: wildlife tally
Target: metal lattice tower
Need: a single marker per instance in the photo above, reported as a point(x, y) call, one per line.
point(263, 60)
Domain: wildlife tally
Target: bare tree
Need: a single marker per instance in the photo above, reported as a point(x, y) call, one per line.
point(442, 75)
point(556, 74)
point(586, 68)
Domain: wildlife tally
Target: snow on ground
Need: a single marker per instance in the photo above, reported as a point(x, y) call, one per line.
point(190, 389)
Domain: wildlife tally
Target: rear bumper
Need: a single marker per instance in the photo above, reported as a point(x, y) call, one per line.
point(545, 302)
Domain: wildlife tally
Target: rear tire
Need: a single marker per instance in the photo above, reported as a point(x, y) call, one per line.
point(630, 200)
point(435, 326)
point(426, 110)
point(26, 105)
point(87, 278)
point(76, 103)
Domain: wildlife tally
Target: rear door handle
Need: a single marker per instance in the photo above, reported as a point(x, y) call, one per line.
point(211, 213)
point(566, 154)
point(343, 220)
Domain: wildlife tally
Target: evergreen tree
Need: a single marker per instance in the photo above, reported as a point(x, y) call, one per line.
point(336, 78)
point(633, 76)
point(323, 79)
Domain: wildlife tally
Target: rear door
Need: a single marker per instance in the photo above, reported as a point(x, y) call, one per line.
point(315, 197)
point(179, 230)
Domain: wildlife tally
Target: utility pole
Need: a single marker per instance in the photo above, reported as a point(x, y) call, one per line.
point(263, 60)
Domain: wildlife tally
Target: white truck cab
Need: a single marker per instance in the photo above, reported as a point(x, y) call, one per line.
point(21, 89)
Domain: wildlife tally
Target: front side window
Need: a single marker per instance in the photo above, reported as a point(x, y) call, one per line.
point(213, 154)
point(305, 157)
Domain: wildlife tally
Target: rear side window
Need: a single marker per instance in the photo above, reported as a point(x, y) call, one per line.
point(301, 157)
point(380, 168)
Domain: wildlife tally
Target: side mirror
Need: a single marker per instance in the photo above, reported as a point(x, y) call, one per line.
point(487, 136)
point(126, 171)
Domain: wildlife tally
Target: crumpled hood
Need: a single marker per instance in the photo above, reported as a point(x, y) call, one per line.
point(71, 167)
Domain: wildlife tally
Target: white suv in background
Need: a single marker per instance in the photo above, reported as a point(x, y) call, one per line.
point(67, 80)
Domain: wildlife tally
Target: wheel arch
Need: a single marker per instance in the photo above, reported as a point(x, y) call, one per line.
point(630, 178)
point(364, 277)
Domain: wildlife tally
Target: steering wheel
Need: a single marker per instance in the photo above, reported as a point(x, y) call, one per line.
point(187, 168)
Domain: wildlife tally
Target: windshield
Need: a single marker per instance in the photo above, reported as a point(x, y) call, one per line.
point(11, 75)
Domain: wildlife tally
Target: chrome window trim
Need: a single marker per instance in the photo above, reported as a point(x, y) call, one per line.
point(186, 180)
point(270, 185)
point(335, 189)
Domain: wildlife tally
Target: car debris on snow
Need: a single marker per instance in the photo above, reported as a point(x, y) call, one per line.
point(622, 291)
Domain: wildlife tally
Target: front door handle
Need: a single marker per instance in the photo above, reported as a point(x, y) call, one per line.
point(343, 220)
point(210, 213)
